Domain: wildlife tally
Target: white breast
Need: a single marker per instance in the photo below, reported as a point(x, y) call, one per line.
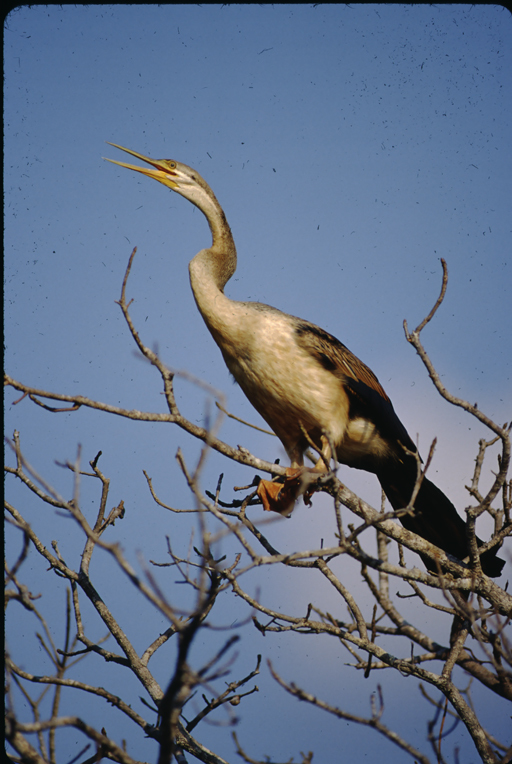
point(281, 379)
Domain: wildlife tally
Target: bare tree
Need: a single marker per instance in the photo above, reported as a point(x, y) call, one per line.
point(378, 633)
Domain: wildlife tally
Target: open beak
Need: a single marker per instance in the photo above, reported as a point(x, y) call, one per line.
point(161, 169)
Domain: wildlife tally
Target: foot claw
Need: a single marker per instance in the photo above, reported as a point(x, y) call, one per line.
point(281, 494)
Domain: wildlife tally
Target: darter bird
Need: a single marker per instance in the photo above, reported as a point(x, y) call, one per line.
point(307, 385)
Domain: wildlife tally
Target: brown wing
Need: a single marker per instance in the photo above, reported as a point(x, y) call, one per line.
point(367, 396)
point(335, 356)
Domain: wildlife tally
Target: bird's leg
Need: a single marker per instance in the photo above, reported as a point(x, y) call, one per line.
point(326, 455)
point(322, 466)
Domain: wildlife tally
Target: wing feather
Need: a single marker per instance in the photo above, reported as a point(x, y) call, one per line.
point(367, 396)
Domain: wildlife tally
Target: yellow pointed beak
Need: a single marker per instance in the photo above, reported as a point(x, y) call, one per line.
point(163, 170)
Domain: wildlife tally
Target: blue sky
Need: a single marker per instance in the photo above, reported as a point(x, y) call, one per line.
point(351, 147)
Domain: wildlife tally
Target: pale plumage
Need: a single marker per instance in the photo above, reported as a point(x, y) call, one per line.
point(302, 379)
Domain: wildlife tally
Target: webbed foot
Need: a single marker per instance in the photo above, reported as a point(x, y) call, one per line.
point(280, 495)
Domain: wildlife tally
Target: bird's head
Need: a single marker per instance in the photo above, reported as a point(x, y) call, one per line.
point(175, 175)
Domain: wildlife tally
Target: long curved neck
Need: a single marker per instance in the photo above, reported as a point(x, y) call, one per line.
point(211, 269)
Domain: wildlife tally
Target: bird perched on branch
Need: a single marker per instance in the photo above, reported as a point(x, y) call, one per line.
point(307, 385)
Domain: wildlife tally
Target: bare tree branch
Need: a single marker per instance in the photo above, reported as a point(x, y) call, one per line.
point(478, 608)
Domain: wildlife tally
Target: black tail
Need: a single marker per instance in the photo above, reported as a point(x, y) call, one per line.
point(435, 518)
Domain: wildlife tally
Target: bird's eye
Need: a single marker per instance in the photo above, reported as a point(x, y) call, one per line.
point(172, 165)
